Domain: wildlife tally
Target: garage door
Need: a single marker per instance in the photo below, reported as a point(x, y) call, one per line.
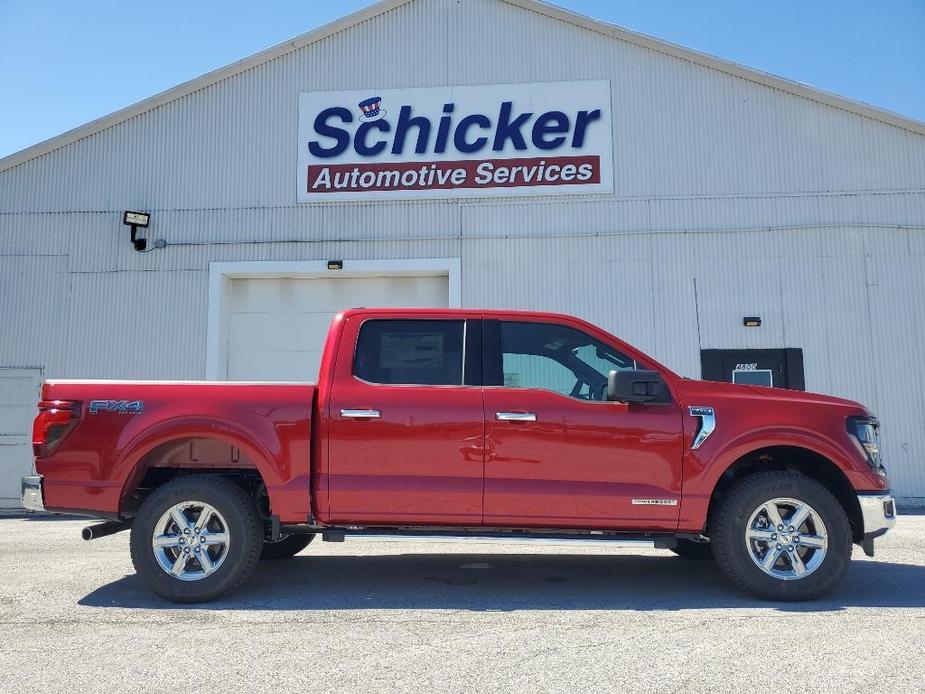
point(276, 326)
point(19, 395)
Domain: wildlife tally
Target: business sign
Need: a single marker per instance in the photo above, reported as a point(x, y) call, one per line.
point(548, 138)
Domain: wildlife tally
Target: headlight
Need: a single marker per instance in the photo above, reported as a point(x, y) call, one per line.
point(865, 432)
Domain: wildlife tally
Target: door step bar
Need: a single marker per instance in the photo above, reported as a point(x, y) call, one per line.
point(520, 540)
point(660, 540)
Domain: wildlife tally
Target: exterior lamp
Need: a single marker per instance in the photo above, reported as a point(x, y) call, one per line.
point(136, 220)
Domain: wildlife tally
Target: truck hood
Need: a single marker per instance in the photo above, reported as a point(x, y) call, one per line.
point(693, 392)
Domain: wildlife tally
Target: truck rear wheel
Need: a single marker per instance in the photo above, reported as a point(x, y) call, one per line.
point(196, 538)
point(285, 547)
point(782, 536)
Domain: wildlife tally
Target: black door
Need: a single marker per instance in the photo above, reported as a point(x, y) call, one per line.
point(780, 368)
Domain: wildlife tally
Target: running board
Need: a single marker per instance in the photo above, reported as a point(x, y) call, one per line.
point(489, 540)
point(592, 538)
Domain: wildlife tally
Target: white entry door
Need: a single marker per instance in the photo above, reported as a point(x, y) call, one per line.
point(20, 390)
point(277, 326)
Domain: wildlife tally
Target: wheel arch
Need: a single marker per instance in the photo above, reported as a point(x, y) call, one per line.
point(161, 458)
point(791, 458)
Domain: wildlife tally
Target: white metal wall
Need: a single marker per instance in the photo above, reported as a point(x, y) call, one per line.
point(776, 205)
point(19, 391)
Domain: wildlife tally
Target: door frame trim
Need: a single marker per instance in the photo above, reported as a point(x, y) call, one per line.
point(221, 274)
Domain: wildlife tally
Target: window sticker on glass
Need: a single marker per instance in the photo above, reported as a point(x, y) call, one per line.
point(512, 379)
point(411, 350)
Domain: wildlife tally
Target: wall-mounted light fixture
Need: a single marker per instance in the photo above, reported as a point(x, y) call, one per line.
point(752, 321)
point(335, 265)
point(137, 220)
point(140, 220)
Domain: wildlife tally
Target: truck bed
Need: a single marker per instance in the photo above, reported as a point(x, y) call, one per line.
point(120, 429)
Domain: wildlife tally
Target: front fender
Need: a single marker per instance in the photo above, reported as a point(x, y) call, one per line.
point(704, 467)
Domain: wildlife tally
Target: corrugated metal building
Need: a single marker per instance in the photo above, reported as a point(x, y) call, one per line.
point(724, 193)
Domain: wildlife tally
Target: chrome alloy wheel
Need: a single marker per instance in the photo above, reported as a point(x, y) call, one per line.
point(191, 541)
point(786, 539)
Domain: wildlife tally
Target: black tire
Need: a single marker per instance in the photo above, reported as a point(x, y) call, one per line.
point(286, 547)
point(244, 529)
point(688, 549)
point(727, 533)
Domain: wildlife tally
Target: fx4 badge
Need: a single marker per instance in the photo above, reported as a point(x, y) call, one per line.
point(118, 406)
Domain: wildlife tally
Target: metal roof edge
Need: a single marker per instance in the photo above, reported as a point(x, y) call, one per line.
point(729, 67)
point(198, 83)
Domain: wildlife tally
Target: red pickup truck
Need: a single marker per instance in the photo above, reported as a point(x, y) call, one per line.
point(465, 423)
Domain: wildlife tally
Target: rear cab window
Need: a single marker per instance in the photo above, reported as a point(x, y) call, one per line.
point(410, 352)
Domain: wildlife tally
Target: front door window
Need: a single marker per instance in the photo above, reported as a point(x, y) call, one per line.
point(557, 358)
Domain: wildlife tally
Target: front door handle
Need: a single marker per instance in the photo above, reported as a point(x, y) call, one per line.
point(515, 416)
point(360, 414)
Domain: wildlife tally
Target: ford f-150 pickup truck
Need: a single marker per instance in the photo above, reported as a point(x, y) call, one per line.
point(465, 423)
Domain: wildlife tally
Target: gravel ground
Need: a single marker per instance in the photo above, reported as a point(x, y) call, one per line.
point(366, 616)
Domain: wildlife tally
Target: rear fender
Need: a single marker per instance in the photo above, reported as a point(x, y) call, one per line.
point(288, 495)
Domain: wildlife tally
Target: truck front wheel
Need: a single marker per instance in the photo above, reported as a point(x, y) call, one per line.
point(781, 536)
point(196, 538)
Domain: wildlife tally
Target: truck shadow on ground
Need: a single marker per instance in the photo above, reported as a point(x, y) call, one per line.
point(510, 582)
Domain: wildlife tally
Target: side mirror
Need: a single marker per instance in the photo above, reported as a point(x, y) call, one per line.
point(637, 386)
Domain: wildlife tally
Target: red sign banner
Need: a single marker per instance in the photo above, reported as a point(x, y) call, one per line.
point(448, 175)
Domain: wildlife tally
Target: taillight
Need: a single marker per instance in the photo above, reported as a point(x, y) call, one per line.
point(55, 419)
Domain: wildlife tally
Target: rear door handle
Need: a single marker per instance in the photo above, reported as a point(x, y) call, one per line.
point(515, 416)
point(360, 414)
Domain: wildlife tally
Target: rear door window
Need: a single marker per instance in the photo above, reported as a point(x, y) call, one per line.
point(410, 352)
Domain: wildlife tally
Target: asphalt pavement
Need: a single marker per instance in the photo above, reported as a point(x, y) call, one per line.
point(365, 616)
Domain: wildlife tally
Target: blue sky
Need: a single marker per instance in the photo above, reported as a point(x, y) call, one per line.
point(65, 62)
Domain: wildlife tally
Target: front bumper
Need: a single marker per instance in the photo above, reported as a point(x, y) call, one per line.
point(32, 493)
point(878, 512)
